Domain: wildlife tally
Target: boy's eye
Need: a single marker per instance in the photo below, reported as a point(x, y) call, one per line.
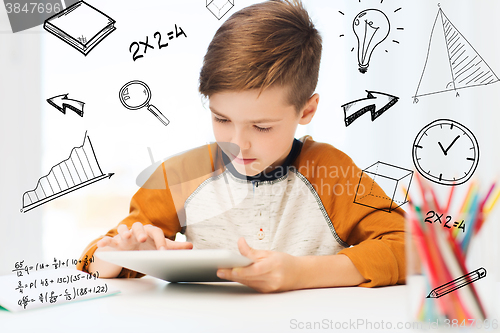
point(260, 129)
point(263, 129)
point(220, 120)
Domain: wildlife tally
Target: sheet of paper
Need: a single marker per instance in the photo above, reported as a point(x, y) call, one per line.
point(49, 287)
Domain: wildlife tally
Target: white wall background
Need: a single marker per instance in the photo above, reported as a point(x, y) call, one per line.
point(20, 148)
point(34, 136)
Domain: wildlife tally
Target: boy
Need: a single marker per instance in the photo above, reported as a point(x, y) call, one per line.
point(280, 201)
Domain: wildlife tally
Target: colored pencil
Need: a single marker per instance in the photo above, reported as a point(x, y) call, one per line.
point(461, 261)
point(426, 258)
point(443, 258)
point(450, 197)
point(454, 309)
point(486, 210)
point(490, 207)
point(471, 219)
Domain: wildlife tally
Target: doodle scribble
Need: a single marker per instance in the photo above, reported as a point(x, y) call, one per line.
point(81, 26)
point(135, 95)
point(451, 63)
point(80, 169)
point(446, 152)
point(393, 183)
point(376, 103)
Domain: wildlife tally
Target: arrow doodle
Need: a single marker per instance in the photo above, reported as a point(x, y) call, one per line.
point(371, 103)
point(62, 102)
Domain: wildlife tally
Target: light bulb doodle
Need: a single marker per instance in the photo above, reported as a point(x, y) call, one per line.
point(371, 27)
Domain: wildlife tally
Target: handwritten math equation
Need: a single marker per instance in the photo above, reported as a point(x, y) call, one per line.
point(135, 47)
point(447, 219)
point(69, 295)
point(40, 286)
point(20, 268)
point(68, 279)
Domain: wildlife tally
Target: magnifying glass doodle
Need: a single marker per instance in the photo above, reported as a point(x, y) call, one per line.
point(135, 95)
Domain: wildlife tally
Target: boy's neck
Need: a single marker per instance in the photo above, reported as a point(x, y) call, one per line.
point(270, 173)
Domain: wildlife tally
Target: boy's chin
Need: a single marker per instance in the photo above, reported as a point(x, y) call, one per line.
point(246, 170)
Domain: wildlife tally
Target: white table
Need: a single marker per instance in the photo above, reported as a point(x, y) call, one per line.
point(151, 305)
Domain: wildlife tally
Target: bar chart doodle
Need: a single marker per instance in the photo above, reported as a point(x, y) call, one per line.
point(451, 63)
point(80, 169)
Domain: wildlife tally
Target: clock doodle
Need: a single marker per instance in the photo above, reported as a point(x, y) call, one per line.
point(446, 152)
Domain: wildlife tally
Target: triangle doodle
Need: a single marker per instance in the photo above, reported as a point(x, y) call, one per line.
point(452, 63)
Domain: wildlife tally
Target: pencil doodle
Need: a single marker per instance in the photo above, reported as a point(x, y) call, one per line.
point(451, 63)
point(80, 169)
point(391, 179)
point(219, 8)
point(376, 103)
point(135, 95)
point(137, 45)
point(62, 102)
point(371, 28)
point(458, 283)
point(453, 165)
point(81, 26)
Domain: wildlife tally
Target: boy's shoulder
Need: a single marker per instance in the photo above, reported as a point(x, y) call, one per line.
point(196, 164)
point(315, 153)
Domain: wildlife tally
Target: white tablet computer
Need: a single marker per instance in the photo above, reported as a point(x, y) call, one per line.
point(177, 265)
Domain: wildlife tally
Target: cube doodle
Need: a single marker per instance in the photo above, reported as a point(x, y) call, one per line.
point(383, 187)
point(219, 7)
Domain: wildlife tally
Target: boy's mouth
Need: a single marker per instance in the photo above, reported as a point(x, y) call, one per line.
point(242, 160)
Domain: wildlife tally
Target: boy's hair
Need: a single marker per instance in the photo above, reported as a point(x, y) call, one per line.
point(266, 44)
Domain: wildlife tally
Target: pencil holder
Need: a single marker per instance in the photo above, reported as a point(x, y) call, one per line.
point(452, 261)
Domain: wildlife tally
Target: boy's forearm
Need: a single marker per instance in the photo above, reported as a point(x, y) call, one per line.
point(327, 271)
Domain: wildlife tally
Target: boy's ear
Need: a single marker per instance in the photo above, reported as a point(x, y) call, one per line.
point(308, 111)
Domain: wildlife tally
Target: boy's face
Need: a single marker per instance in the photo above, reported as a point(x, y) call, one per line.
point(263, 127)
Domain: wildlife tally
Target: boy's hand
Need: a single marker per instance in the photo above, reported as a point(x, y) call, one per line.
point(271, 271)
point(140, 237)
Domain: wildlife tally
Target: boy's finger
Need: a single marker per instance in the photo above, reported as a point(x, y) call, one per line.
point(171, 245)
point(157, 235)
point(116, 241)
point(224, 273)
point(105, 241)
point(255, 283)
point(251, 272)
point(123, 231)
point(139, 233)
point(249, 252)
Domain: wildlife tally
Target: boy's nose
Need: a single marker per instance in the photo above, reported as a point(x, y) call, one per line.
point(241, 140)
